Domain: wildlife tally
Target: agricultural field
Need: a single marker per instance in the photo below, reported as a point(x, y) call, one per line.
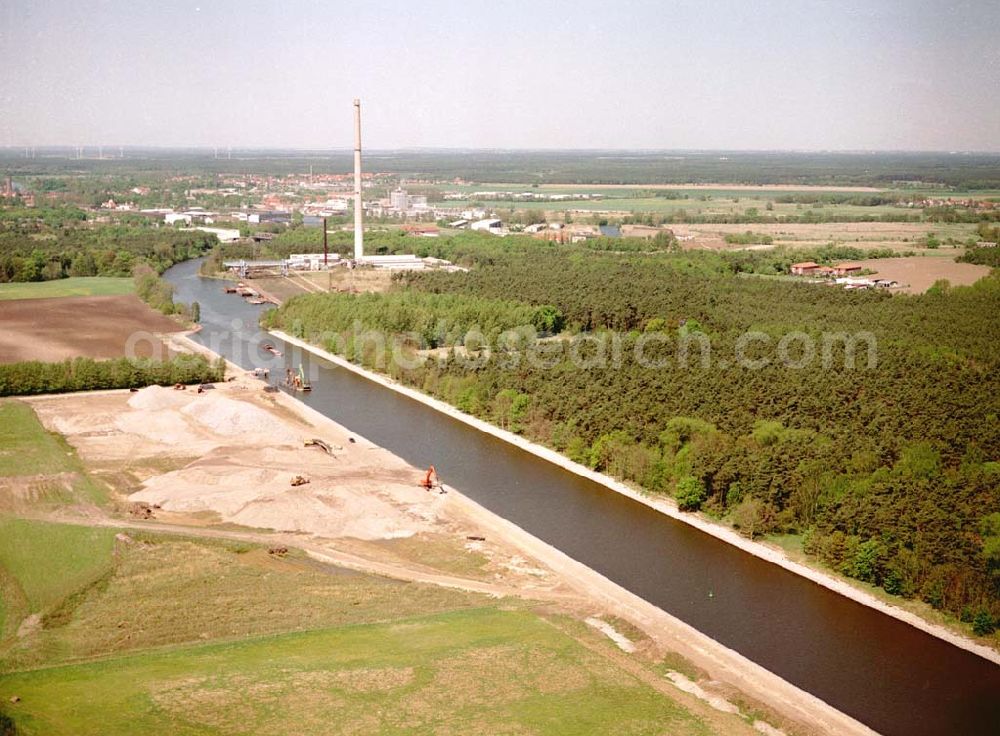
point(897, 236)
point(73, 286)
point(56, 328)
point(917, 274)
point(692, 202)
point(709, 206)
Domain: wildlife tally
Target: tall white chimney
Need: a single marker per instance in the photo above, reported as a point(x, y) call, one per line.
point(359, 233)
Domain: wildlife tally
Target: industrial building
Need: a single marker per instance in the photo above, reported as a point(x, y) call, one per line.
point(312, 261)
point(402, 202)
point(488, 225)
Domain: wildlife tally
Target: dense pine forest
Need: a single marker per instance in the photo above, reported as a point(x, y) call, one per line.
point(881, 453)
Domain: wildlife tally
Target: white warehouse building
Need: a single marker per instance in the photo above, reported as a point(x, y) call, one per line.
point(489, 225)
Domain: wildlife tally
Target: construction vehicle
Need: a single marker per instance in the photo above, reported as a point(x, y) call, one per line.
point(297, 381)
point(304, 385)
point(320, 444)
point(299, 480)
point(432, 480)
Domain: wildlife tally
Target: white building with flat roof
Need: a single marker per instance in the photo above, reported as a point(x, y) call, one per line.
point(488, 225)
point(402, 262)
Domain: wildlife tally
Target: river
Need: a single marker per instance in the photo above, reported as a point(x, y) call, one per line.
point(877, 669)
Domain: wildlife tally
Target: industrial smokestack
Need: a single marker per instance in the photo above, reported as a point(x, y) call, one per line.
point(359, 234)
point(326, 252)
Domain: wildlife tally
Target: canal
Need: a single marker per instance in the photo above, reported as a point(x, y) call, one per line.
point(881, 671)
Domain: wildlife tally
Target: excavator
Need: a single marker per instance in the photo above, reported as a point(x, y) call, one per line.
point(297, 382)
point(304, 385)
point(432, 481)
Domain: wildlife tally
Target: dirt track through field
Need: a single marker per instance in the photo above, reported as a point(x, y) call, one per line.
point(68, 327)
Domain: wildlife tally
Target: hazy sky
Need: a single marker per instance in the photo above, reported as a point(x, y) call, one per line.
point(779, 74)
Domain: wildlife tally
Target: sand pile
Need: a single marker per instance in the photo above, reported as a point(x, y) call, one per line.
point(167, 428)
point(231, 418)
point(158, 398)
point(253, 488)
point(180, 417)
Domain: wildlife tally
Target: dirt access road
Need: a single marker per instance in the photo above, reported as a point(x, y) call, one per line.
point(92, 326)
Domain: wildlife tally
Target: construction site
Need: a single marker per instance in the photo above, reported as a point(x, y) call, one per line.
point(258, 463)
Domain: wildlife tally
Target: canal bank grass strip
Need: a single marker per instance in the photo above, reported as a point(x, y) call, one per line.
point(458, 671)
point(674, 634)
point(664, 506)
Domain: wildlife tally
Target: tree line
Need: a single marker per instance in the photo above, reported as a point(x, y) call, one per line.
point(982, 255)
point(86, 374)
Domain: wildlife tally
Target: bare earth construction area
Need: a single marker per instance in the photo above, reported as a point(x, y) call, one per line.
point(235, 462)
point(66, 327)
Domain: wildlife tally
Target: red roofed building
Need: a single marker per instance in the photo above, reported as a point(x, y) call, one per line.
point(846, 269)
point(425, 231)
point(806, 268)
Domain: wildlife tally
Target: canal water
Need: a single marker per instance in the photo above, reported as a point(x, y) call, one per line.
point(886, 674)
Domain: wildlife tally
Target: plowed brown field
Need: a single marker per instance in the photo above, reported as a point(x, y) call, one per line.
point(92, 326)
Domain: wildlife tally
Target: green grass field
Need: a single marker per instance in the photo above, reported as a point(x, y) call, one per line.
point(41, 563)
point(187, 636)
point(44, 563)
point(26, 448)
point(74, 286)
point(474, 671)
point(42, 459)
point(165, 591)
